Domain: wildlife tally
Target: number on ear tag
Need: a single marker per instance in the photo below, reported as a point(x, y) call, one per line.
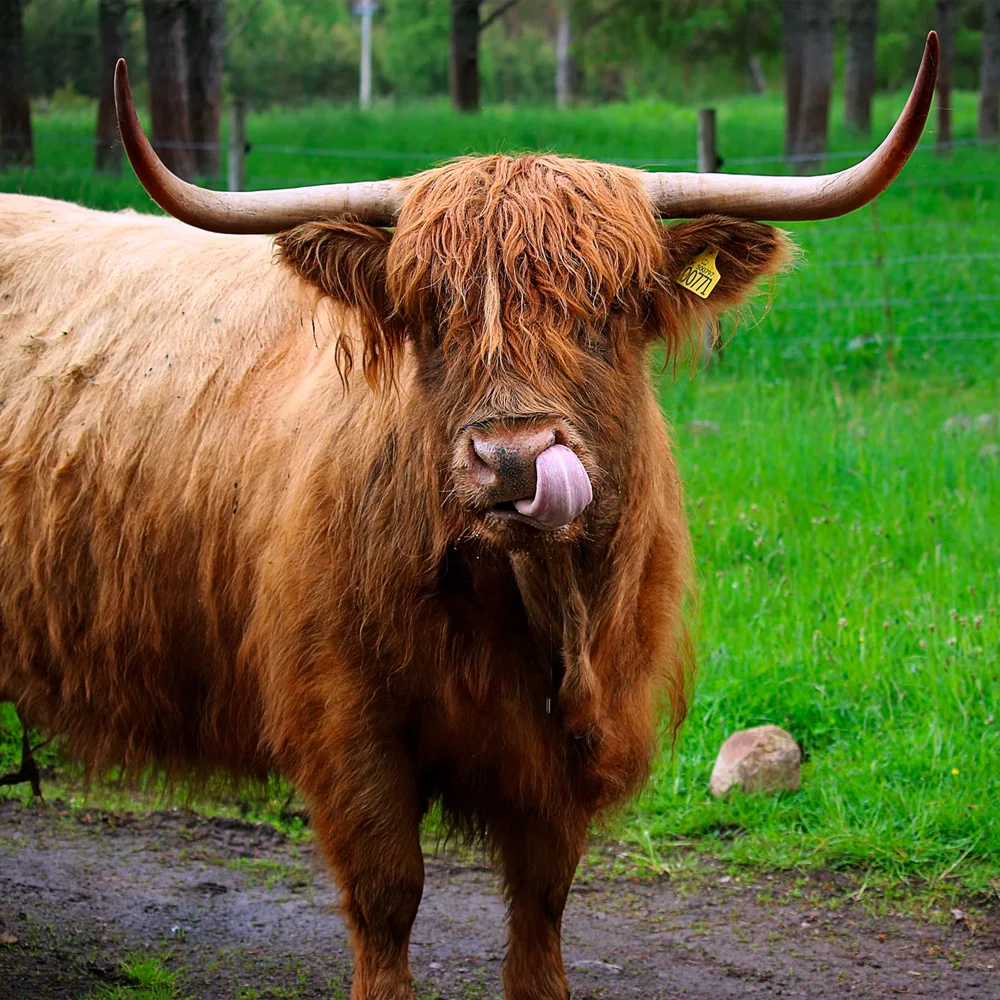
point(701, 274)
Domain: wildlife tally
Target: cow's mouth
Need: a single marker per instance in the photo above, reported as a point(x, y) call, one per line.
point(562, 492)
point(506, 511)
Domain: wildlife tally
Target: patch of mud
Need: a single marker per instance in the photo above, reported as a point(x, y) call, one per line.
point(237, 909)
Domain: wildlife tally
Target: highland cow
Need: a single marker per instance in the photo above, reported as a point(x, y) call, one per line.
point(391, 513)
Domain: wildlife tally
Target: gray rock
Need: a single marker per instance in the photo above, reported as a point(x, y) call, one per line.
point(988, 423)
point(990, 452)
point(762, 759)
point(596, 965)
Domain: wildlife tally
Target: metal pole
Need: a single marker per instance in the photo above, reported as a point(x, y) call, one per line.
point(367, 10)
point(563, 42)
point(236, 164)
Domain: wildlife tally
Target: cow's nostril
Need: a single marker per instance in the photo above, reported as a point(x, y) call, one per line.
point(482, 450)
point(480, 463)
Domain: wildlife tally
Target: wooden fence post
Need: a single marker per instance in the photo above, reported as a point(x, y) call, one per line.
point(708, 158)
point(236, 165)
point(708, 163)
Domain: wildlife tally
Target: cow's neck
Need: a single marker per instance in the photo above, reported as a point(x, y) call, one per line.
point(544, 599)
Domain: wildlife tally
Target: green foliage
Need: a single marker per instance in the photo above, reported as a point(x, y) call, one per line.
point(285, 50)
point(288, 51)
point(903, 25)
point(413, 48)
point(832, 506)
point(517, 68)
point(61, 45)
point(687, 50)
point(10, 739)
point(146, 978)
point(147, 970)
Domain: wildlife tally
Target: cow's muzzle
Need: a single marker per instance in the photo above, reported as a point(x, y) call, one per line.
point(528, 475)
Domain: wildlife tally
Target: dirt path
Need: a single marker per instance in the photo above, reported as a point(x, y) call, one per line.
point(237, 907)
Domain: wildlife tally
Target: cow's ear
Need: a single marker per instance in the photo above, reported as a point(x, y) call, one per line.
point(712, 264)
point(347, 260)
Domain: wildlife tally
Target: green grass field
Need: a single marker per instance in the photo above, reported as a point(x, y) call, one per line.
point(848, 545)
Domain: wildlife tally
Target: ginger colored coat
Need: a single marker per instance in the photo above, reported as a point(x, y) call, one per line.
point(239, 533)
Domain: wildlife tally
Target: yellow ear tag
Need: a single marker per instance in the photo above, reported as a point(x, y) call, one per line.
point(701, 274)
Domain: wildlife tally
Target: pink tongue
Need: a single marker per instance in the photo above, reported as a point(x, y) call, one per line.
point(562, 491)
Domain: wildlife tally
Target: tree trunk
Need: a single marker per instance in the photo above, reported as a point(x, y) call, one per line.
point(168, 88)
point(989, 73)
point(859, 72)
point(817, 80)
point(757, 78)
point(564, 57)
point(205, 23)
point(792, 40)
point(16, 147)
point(944, 18)
point(112, 26)
point(464, 65)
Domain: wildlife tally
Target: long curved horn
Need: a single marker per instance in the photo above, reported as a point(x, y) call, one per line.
point(374, 202)
point(792, 199)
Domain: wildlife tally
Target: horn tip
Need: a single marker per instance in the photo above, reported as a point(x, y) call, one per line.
point(123, 92)
point(933, 46)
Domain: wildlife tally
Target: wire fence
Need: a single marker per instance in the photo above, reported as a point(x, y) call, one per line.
point(286, 180)
point(893, 314)
point(939, 258)
point(924, 301)
point(654, 160)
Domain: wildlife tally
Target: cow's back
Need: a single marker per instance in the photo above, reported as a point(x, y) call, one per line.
point(152, 380)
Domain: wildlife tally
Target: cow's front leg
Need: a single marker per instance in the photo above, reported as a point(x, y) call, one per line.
point(539, 858)
point(365, 808)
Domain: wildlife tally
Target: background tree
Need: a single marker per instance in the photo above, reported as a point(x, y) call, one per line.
point(415, 48)
point(463, 62)
point(166, 60)
point(606, 49)
point(944, 21)
point(112, 26)
point(816, 27)
point(290, 51)
point(791, 37)
point(989, 73)
point(757, 78)
point(467, 24)
point(204, 24)
point(16, 147)
point(859, 69)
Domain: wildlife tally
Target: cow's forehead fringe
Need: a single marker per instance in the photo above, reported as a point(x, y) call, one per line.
point(502, 245)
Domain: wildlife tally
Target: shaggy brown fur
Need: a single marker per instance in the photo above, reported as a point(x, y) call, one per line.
point(220, 551)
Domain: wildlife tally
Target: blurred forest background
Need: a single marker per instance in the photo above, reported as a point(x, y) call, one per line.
point(188, 56)
point(282, 51)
